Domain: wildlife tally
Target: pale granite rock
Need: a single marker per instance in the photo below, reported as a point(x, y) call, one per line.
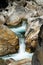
point(32, 34)
point(39, 2)
point(20, 62)
point(16, 16)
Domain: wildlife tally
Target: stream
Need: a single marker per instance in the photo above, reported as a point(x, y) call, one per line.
point(22, 54)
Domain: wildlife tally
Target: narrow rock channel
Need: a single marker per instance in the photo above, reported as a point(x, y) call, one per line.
point(22, 54)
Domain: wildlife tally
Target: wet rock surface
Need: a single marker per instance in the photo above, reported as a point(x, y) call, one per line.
point(12, 14)
point(21, 62)
point(9, 42)
point(2, 62)
point(32, 34)
point(13, 62)
point(38, 55)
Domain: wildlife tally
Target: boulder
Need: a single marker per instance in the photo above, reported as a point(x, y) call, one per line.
point(32, 35)
point(38, 55)
point(9, 42)
point(20, 62)
point(16, 16)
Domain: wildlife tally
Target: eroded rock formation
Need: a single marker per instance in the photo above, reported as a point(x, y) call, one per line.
point(13, 62)
point(32, 34)
point(38, 55)
point(9, 42)
point(11, 14)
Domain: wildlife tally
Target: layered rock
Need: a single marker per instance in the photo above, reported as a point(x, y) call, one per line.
point(16, 16)
point(38, 55)
point(32, 35)
point(13, 14)
point(20, 62)
point(13, 62)
point(39, 2)
point(9, 42)
point(31, 5)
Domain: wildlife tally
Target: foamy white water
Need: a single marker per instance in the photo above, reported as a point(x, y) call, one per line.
point(22, 54)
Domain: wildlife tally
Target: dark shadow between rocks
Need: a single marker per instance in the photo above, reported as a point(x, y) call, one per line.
point(3, 4)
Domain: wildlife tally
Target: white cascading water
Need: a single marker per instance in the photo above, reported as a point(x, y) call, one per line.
point(22, 45)
point(22, 54)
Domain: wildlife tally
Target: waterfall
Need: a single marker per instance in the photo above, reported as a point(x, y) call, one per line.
point(22, 45)
point(22, 54)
